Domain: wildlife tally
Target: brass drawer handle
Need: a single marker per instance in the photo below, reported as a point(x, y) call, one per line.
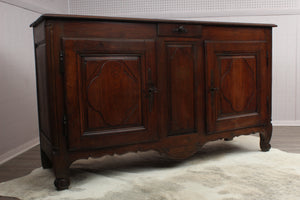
point(180, 29)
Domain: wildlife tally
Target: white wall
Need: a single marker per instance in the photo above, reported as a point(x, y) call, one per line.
point(18, 106)
point(286, 40)
point(167, 8)
point(40, 6)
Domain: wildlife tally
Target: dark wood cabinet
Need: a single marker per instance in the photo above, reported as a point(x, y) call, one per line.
point(113, 85)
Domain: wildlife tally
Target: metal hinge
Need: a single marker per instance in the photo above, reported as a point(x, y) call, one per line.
point(65, 123)
point(62, 62)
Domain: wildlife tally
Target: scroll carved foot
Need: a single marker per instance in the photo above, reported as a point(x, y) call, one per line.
point(62, 183)
point(265, 137)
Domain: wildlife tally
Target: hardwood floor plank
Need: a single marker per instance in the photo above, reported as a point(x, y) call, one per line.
point(21, 165)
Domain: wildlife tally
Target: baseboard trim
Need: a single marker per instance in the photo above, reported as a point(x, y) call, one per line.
point(18, 150)
point(286, 123)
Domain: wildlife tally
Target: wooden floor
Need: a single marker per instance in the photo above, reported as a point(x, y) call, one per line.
point(284, 138)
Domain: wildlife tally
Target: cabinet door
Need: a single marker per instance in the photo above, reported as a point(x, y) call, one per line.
point(236, 84)
point(109, 92)
point(180, 82)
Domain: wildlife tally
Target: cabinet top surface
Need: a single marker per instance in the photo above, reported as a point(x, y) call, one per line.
point(144, 20)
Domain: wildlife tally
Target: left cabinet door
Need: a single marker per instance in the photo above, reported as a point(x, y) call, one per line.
point(109, 98)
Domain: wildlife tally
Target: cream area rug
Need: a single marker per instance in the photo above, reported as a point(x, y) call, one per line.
point(235, 170)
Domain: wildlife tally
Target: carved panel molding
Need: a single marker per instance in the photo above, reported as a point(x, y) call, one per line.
point(113, 91)
point(237, 84)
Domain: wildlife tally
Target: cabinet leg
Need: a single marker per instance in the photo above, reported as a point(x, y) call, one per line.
point(46, 163)
point(62, 183)
point(62, 177)
point(61, 168)
point(265, 137)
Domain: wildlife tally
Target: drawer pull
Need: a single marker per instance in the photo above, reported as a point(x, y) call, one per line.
point(180, 29)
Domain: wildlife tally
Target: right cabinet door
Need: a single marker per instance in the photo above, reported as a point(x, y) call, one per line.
point(236, 84)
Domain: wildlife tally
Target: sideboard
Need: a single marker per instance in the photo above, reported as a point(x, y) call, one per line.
point(110, 85)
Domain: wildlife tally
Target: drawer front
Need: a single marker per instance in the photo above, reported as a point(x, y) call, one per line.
point(182, 30)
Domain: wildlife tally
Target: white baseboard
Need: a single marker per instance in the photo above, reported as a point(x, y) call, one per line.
point(286, 123)
point(18, 150)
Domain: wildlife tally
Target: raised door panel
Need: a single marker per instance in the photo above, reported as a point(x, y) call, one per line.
point(106, 92)
point(112, 91)
point(181, 88)
point(236, 85)
point(180, 75)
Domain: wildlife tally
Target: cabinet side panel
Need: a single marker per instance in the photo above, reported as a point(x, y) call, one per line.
point(43, 102)
point(268, 32)
point(39, 33)
point(41, 80)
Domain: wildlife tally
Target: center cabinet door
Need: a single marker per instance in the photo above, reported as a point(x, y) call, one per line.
point(181, 83)
point(109, 96)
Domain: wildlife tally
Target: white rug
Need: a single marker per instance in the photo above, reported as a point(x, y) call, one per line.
point(235, 170)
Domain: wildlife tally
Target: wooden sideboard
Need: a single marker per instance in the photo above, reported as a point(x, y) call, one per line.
point(113, 85)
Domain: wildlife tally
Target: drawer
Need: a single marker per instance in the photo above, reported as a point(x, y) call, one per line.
point(183, 30)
